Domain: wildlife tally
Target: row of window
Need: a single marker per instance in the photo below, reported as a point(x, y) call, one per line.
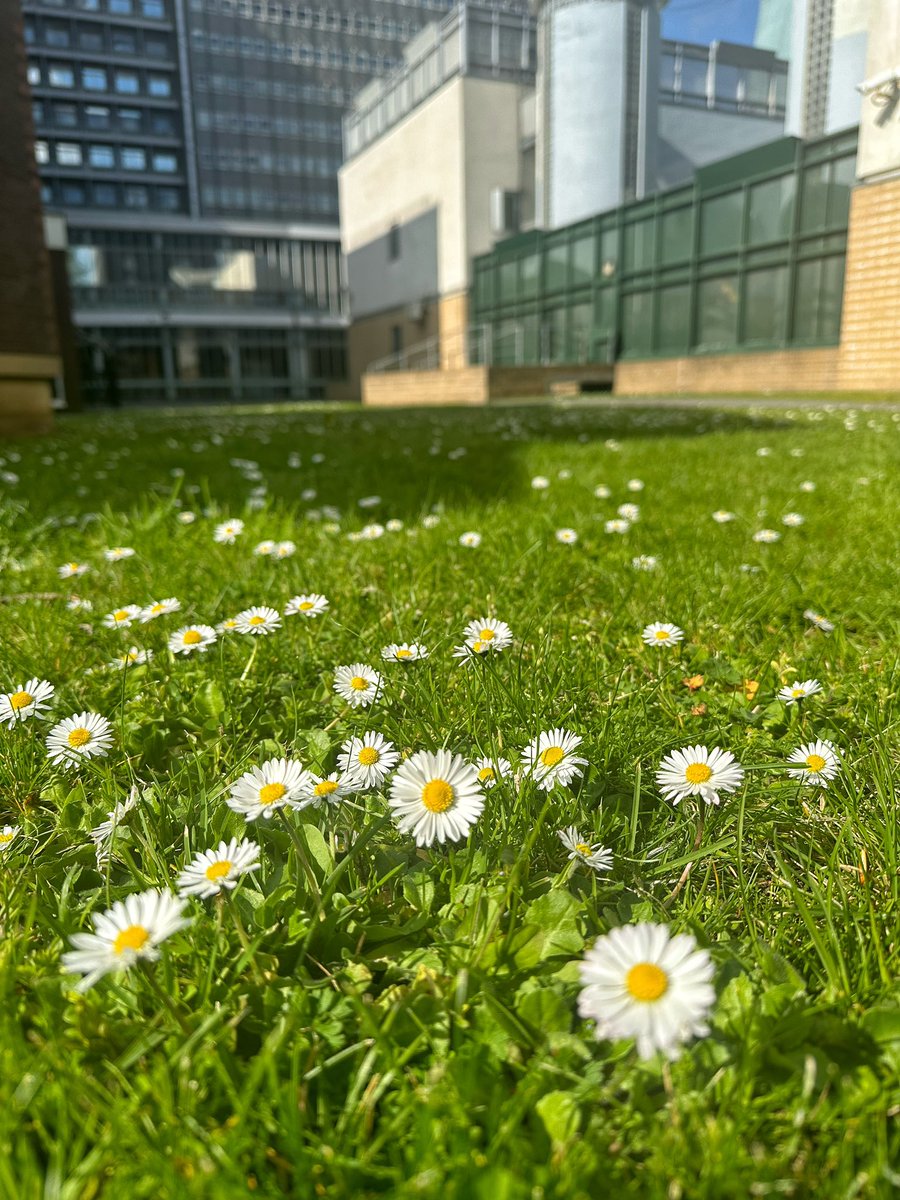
point(293, 52)
point(272, 89)
point(72, 193)
point(244, 122)
point(100, 79)
point(106, 158)
point(257, 200)
point(320, 18)
point(99, 117)
point(281, 164)
point(150, 10)
point(99, 39)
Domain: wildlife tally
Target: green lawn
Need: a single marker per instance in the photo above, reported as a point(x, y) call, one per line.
point(363, 1017)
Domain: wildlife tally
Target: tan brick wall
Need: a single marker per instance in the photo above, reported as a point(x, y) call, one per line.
point(506, 383)
point(767, 371)
point(26, 393)
point(370, 338)
point(453, 323)
point(394, 389)
point(870, 324)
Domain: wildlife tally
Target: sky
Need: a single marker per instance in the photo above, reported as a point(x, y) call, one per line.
point(710, 20)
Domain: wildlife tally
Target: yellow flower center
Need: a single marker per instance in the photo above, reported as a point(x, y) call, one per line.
point(815, 762)
point(325, 788)
point(368, 756)
point(5, 838)
point(192, 637)
point(698, 773)
point(479, 647)
point(132, 938)
point(157, 608)
point(485, 774)
point(306, 606)
point(404, 654)
point(79, 737)
point(218, 870)
point(646, 982)
point(271, 792)
point(437, 796)
point(20, 700)
point(359, 684)
point(257, 621)
point(582, 848)
point(120, 614)
point(662, 635)
point(552, 755)
point(797, 691)
point(487, 635)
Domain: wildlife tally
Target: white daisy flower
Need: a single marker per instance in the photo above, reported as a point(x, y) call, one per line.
point(820, 622)
point(117, 553)
point(644, 562)
point(635, 485)
point(132, 658)
point(642, 982)
point(551, 760)
point(793, 520)
point(258, 620)
point(229, 625)
point(807, 486)
point(630, 512)
point(368, 760)
point(405, 652)
point(227, 533)
point(818, 761)
point(187, 518)
point(470, 538)
point(76, 604)
point(722, 516)
point(192, 638)
point(799, 691)
point(264, 548)
point(284, 549)
point(602, 492)
point(310, 604)
point(617, 525)
point(393, 525)
point(120, 617)
point(495, 634)
point(661, 633)
point(103, 835)
point(430, 520)
point(492, 770)
point(27, 700)
point(213, 870)
point(358, 684)
point(596, 856)
point(132, 929)
point(472, 651)
point(767, 536)
point(540, 483)
point(327, 789)
point(70, 569)
point(86, 735)
point(369, 502)
point(262, 790)
point(566, 536)
point(370, 533)
point(159, 608)
point(435, 797)
point(696, 771)
point(8, 835)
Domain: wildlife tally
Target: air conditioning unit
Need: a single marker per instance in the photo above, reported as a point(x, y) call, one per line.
point(415, 311)
point(506, 211)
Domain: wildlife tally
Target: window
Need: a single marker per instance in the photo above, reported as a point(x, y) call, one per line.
point(56, 35)
point(120, 8)
point(129, 119)
point(127, 84)
point(166, 163)
point(394, 243)
point(154, 9)
point(771, 210)
point(168, 199)
point(159, 86)
point(717, 307)
point(90, 39)
point(65, 115)
point(133, 158)
point(720, 223)
point(72, 193)
point(93, 79)
point(37, 111)
point(156, 47)
point(162, 124)
point(136, 197)
point(765, 305)
point(68, 154)
point(676, 235)
point(123, 41)
point(28, 31)
point(62, 77)
point(34, 75)
point(102, 156)
point(96, 116)
point(89, 5)
point(396, 339)
point(105, 195)
point(41, 152)
point(674, 319)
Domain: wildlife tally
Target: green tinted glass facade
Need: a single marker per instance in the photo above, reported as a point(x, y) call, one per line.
point(750, 256)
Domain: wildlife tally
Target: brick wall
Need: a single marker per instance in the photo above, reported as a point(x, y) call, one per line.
point(393, 389)
point(721, 374)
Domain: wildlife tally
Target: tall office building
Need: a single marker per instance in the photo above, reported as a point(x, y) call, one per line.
point(829, 40)
point(193, 146)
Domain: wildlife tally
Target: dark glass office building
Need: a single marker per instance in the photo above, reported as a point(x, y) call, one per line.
point(193, 146)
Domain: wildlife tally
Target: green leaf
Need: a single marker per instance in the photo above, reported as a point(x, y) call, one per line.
point(561, 1117)
point(550, 930)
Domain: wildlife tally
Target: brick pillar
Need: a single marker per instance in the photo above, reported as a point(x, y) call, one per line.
point(453, 324)
point(870, 323)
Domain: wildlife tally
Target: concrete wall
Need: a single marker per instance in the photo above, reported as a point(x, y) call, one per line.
point(850, 31)
point(692, 137)
point(378, 282)
point(879, 125)
point(721, 374)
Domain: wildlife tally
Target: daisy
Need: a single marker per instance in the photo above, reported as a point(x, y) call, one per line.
point(641, 982)
point(117, 553)
point(602, 492)
point(430, 520)
point(122, 616)
point(661, 634)
point(228, 532)
point(191, 638)
point(799, 691)
point(368, 759)
point(471, 651)
point(435, 797)
point(67, 570)
point(540, 483)
point(767, 536)
point(495, 634)
point(406, 652)
point(213, 870)
point(617, 525)
point(102, 836)
point(630, 512)
point(551, 760)
point(807, 486)
point(597, 857)
point(369, 502)
point(644, 562)
point(85, 735)
point(722, 516)
point(696, 771)
point(7, 836)
point(370, 533)
point(635, 485)
point(818, 761)
point(262, 790)
point(566, 536)
point(492, 770)
point(132, 929)
point(307, 605)
point(28, 700)
point(327, 789)
point(284, 549)
point(358, 684)
point(820, 622)
point(229, 625)
point(187, 518)
point(132, 658)
point(792, 519)
point(75, 603)
point(264, 548)
point(470, 538)
point(393, 525)
point(259, 620)
point(159, 608)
